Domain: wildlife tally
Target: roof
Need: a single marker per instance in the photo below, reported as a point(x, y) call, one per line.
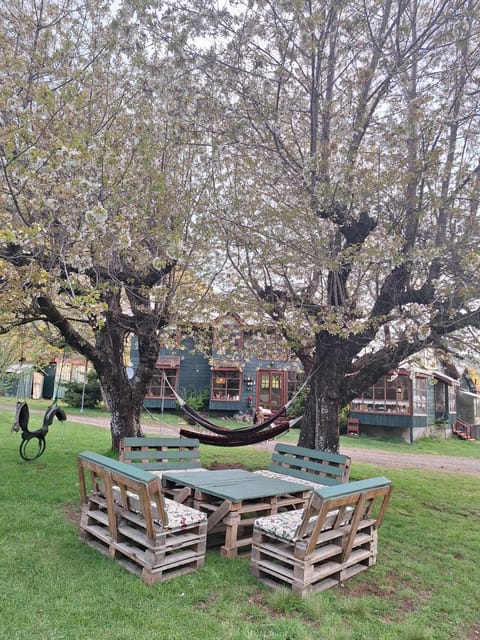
point(20, 367)
point(469, 393)
point(444, 378)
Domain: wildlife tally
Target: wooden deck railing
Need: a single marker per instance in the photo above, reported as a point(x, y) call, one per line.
point(463, 429)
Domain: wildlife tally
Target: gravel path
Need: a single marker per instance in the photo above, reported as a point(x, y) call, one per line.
point(422, 462)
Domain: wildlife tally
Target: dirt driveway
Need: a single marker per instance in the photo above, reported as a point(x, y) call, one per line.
point(422, 462)
point(430, 462)
point(425, 462)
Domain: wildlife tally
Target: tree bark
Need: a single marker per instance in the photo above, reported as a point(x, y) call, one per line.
point(320, 422)
point(125, 413)
point(320, 428)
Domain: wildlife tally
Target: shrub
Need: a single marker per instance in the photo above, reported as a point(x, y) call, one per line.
point(196, 399)
point(91, 392)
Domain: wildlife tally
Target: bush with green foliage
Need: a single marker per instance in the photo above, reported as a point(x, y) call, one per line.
point(91, 392)
point(195, 399)
point(297, 408)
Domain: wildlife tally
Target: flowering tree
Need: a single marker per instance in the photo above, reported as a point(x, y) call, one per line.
point(348, 179)
point(97, 188)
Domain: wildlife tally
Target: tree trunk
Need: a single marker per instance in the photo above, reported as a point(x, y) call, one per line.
point(125, 412)
point(320, 424)
point(124, 397)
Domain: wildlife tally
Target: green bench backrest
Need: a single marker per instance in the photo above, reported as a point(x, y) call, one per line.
point(153, 442)
point(161, 453)
point(337, 458)
point(322, 466)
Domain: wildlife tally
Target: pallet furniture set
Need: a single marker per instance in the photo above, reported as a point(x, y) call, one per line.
point(126, 517)
point(327, 524)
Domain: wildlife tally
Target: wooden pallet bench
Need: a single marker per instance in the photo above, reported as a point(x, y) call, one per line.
point(159, 454)
point(332, 539)
point(309, 466)
point(126, 517)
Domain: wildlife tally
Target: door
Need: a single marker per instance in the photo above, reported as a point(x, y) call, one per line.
point(270, 389)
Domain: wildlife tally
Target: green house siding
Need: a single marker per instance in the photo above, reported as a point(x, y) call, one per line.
point(388, 421)
point(195, 375)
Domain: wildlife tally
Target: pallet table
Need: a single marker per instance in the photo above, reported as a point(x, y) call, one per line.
point(233, 499)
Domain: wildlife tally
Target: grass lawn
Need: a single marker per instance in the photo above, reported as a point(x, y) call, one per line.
point(52, 586)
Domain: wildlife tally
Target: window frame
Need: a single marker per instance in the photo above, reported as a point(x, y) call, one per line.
point(168, 394)
point(230, 375)
point(420, 396)
point(387, 396)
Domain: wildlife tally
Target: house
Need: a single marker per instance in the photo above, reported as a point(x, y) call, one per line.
point(417, 399)
point(234, 368)
point(468, 400)
point(18, 380)
point(28, 380)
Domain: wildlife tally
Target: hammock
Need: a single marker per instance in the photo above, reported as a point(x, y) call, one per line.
point(231, 441)
point(241, 433)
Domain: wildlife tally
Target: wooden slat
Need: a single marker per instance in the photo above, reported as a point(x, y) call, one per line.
point(313, 465)
point(337, 458)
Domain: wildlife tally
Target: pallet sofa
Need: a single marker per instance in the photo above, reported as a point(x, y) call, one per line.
point(126, 517)
point(331, 540)
point(158, 454)
point(311, 467)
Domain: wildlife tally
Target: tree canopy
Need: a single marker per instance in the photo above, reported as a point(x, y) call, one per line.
point(348, 179)
point(328, 151)
point(97, 193)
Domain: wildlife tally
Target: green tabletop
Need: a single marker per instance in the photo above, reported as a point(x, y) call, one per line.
point(235, 485)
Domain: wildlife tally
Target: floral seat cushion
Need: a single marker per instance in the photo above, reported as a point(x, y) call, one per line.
point(179, 515)
point(159, 472)
point(285, 525)
point(284, 476)
point(281, 525)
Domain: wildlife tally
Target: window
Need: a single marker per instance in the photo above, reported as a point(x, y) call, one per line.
point(388, 394)
point(452, 401)
point(226, 384)
point(158, 387)
point(420, 396)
